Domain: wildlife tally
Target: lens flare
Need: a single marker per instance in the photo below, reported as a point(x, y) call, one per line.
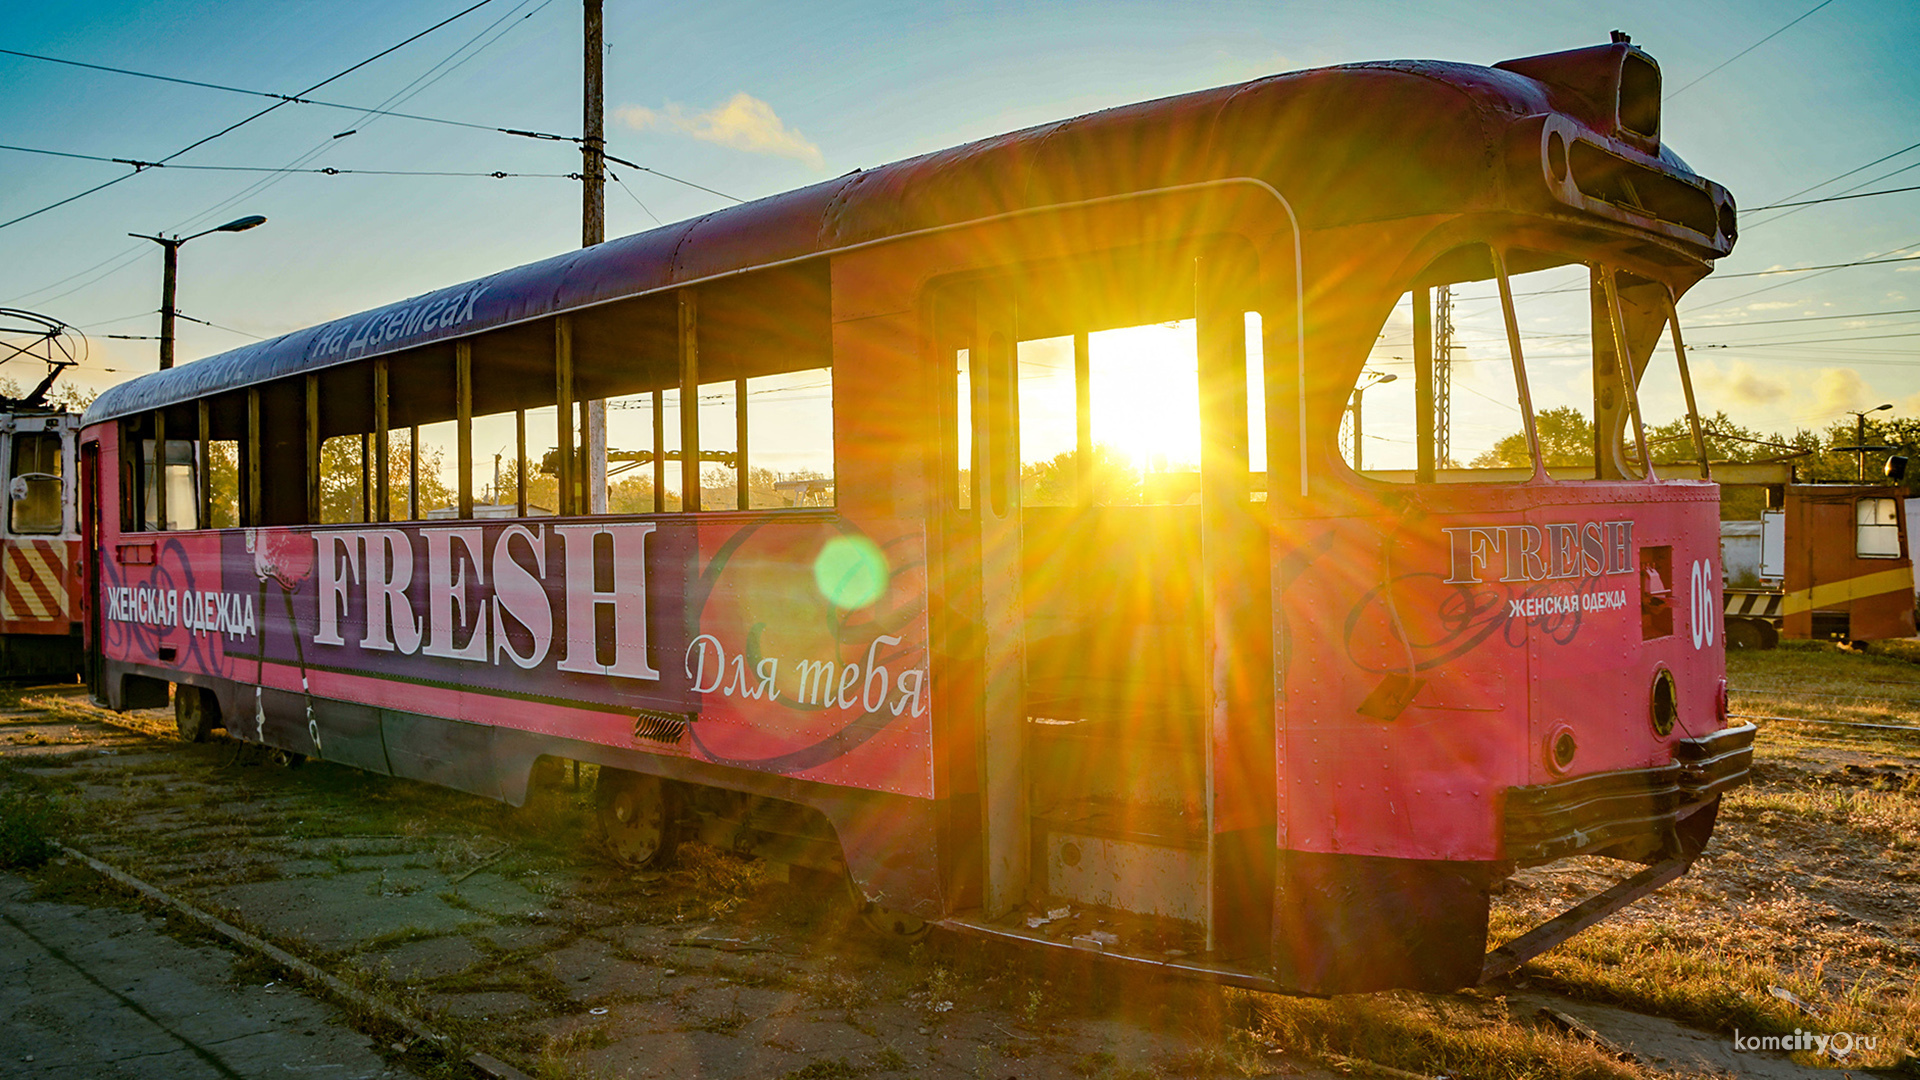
point(850, 572)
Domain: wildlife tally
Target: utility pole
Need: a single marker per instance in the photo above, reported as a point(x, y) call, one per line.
point(171, 245)
point(1860, 438)
point(593, 230)
point(168, 276)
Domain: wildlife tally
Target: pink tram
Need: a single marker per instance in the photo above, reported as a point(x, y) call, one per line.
point(1255, 713)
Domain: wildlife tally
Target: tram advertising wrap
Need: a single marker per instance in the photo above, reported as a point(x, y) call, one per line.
point(791, 647)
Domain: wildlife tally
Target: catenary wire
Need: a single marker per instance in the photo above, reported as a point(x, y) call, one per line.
point(247, 120)
point(290, 98)
point(1748, 49)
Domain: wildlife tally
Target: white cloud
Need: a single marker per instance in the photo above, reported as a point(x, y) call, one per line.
point(1772, 305)
point(1838, 390)
point(743, 122)
point(1739, 384)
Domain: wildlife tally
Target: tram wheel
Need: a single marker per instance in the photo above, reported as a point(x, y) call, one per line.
point(195, 714)
point(1745, 634)
point(896, 926)
point(636, 818)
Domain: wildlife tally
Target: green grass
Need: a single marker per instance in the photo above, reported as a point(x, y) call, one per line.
point(29, 825)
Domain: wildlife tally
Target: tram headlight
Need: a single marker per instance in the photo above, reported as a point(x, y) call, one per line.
point(1561, 748)
point(1664, 703)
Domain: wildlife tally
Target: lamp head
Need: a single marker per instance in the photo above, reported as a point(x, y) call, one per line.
point(254, 220)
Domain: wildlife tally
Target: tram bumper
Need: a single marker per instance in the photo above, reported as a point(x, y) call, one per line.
point(1635, 813)
point(1352, 923)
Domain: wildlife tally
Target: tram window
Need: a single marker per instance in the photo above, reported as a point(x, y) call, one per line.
point(344, 489)
point(963, 428)
point(439, 470)
point(790, 439)
point(670, 478)
point(1477, 422)
point(223, 482)
point(493, 456)
point(35, 484)
point(178, 476)
point(1555, 314)
point(1662, 396)
point(1048, 421)
point(629, 454)
point(719, 446)
point(1144, 406)
point(1256, 403)
point(402, 505)
point(1126, 396)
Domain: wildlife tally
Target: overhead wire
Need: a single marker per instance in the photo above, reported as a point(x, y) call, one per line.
point(1841, 195)
point(291, 99)
point(250, 119)
point(322, 146)
point(326, 170)
point(1748, 49)
point(1835, 198)
point(1850, 172)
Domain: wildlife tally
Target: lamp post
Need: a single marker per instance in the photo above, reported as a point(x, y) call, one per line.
point(1375, 378)
point(172, 248)
point(1860, 436)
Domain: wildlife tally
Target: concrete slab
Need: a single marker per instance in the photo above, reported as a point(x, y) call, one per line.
point(103, 993)
point(433, 958)
point(344, 911)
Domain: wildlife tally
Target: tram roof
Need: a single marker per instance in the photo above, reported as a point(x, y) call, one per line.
point(1344, 144)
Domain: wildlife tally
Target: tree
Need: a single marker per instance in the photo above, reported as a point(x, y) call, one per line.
point(340, 501)
point(1111, 479)
point(1566, 439)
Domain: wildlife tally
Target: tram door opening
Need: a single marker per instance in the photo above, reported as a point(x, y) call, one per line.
point(1104, 460)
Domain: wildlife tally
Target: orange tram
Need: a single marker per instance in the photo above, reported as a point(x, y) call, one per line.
point(881, 590)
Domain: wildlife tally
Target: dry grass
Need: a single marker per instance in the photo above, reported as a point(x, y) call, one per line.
point(1453, 1036)
point(1810, 882)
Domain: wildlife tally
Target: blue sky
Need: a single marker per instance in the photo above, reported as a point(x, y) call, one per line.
point(752, 99)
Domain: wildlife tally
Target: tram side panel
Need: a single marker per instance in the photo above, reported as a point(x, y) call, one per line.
point(785, 656)
point(1451, 679)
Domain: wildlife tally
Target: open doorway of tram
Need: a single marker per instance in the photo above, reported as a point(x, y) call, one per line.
point(1107, 430)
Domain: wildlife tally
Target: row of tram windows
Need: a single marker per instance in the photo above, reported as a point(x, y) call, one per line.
point(467, 435)
point(1458, 374)
point(1107, 390)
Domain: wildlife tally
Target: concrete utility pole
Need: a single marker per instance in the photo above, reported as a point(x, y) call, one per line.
point(593, 230)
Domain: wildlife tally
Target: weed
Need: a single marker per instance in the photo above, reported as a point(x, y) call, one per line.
point(887, 1059)
point(1420, 1032)
point(28, 822)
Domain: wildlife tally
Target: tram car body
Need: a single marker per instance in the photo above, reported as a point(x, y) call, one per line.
point(1285, 726)
point(40, 563)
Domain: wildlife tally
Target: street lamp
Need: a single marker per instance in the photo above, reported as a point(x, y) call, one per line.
point(172, 248)
point(1860, 437)
point(1377, 378)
